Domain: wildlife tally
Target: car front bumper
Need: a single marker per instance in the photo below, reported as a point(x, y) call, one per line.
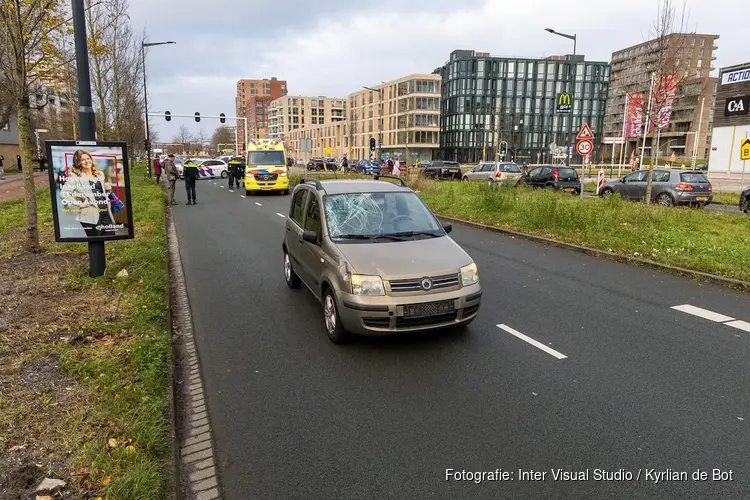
point(280, 184)
point(384, 315)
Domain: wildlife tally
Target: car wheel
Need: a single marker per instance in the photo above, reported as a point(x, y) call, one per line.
point(465, 179)
point(606, 193)
point(334, 329)
point(291, 278)
point(664, 200)
point(248, 193)
point(224, 174)
point(490, 183)
point(285, 192)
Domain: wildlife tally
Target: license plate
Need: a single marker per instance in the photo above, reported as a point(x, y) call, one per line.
point(569, 190)
point(702, 198)
point(429, 309)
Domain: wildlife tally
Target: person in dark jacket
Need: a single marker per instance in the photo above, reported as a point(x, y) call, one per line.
point(18, 161)
point(157, 169)
point(190, 171)
point(236, 171)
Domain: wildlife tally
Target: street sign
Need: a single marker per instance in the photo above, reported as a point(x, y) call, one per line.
point(672, 158)
point(584, 147)
point(585, 133)
point(613, 140)
point(745, 149)
point(328, 151)
point(564, 103)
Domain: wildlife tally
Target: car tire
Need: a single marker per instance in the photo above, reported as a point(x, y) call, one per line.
point(606, 193)
point(248, 193)
point(334, 329)
point(224, 174)
point(291, 278)
point(285, 192)
point(664, 200)
point(465, 179)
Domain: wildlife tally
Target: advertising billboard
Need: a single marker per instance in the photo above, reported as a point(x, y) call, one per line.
point(665, 91)
point(634, 116)
point(90, 190)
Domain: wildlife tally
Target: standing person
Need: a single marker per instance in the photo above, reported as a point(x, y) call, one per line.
point(525, 168)
point(43, 163)
point(396, 168)
point(236, 165)
point(190, 171)
point(2, 170)
point(172, 175)
point(18, 161)
point(87, 192)
point(157, 169)
point(390, 164)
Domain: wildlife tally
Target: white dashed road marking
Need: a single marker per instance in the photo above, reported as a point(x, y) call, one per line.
point(258, 204)
point(740, 325)
point(242, 195)
point(280, 215)
point(533, 342)
point(703, 313)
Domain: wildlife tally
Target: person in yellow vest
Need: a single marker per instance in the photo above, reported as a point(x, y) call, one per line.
point(190, 171)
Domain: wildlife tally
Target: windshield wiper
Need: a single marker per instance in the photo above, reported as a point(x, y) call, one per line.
point(352, 237)
point(407, 234)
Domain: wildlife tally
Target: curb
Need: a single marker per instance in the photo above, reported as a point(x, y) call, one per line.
point(729, 282)
point(198, 472)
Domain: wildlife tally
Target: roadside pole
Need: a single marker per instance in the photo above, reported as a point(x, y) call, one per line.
point(86, 118)
point(648, 123)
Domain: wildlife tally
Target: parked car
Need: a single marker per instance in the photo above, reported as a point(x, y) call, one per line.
point(316, 164)
point(672, 186)
point(368, 167)
point(442, 170)
point(493, 173)
point(377, 259)
point(211, 169)
point(745, 200)
point(557, 177)
point(331, 164)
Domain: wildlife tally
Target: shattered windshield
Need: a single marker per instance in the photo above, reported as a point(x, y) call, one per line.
point(375, 215)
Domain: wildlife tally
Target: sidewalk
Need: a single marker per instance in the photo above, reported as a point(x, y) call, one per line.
point(12, 187)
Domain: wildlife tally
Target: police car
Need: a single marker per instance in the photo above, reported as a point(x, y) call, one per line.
point(211, 169)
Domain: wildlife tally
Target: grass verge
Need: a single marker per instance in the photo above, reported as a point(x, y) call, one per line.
point(85, 363)
point(695, 239)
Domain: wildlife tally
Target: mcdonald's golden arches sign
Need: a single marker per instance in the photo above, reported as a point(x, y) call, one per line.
point(564, 103)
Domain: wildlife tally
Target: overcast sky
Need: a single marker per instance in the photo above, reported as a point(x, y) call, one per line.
point(333, 47)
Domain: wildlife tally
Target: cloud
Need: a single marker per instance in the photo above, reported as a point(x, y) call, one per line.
point(333, 47)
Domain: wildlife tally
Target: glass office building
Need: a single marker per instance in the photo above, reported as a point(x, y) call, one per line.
point(489, 99)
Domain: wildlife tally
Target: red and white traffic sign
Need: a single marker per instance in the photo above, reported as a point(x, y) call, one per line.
point(585, 133)
point(584, 147)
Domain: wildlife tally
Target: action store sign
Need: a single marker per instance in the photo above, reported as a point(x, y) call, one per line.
point(737, 76)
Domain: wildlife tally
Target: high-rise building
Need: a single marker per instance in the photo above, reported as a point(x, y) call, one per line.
point(409, 110)
point(681, 64)
point(487, 100)
point(288, 113)
point(252, 102)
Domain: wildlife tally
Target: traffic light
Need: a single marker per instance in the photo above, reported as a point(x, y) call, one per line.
point(197, 116)
point(222, 118)
point(168, 116)
point(503, 148)
point(372, 144)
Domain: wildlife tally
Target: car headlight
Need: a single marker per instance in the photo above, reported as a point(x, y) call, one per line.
point(367, 285)
point(282, 175)
point(469, 274)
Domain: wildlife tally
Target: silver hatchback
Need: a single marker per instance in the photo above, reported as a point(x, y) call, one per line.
point(669, 187)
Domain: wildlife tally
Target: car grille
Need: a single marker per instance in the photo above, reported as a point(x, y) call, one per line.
point(266, 177)
point(415, 284)
point(425, 321)
point(377, 322)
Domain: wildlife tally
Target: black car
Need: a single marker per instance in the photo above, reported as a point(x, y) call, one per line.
point(745, 200)
point(557, 177)
point(316, 164)
point(442, 170)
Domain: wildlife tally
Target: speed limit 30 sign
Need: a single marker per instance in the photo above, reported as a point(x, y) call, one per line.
point(584, 147)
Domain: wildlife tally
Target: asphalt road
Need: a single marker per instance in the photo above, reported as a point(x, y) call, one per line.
point(642, 386)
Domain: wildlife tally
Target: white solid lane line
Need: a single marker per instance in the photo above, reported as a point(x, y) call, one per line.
point(740, 325)
point(533, 342)
point(280, 215)
point(258, 204)
point(702, 313)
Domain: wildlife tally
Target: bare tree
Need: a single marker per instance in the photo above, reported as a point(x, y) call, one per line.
point(664, 56)
point(222, 135)
point(201, 138)
point(183, 137)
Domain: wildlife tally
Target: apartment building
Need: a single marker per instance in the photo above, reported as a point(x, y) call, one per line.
point(253, 101)
point(327, 141)
point(487, 100)
point(288, 113)
point(682, 64)
point(402, 115)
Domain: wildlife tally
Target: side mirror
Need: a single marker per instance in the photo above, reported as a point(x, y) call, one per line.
point(448, 227)
point(622, 180)
point(310, 237)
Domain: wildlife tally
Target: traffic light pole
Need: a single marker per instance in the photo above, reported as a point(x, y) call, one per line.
point(145, 102)
point(220, 117)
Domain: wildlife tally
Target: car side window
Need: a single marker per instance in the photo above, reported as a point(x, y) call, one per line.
point(535, 172)
point(298, 204)
point(661, 176)
point(634, 177)
point(488, 167)
point(545, 172)
point(312, 216)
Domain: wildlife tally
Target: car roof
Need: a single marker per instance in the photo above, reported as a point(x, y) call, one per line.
point(361, 186)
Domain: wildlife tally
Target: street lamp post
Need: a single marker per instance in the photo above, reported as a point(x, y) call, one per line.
point(571, 91)
point(380, 121)
point(145, 100)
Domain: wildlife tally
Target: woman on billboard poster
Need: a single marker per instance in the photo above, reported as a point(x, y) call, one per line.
point(87, 192)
